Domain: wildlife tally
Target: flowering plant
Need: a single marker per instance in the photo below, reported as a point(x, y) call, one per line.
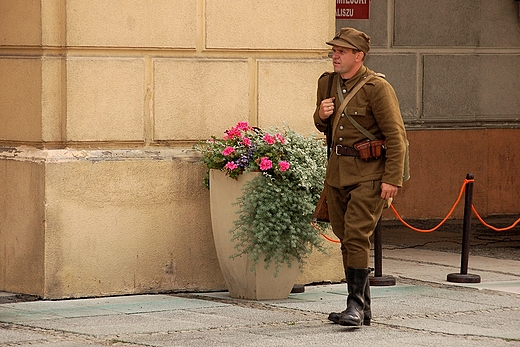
point(244, 148)
point(275, 209)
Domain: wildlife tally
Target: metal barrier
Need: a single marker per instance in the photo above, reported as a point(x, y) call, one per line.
point(463, 277)
point(379, 279)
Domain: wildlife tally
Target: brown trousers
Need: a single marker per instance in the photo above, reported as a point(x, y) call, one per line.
point(354, 212)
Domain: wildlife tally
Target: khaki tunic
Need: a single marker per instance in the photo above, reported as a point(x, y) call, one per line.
point(352, 184)
point(375, 107)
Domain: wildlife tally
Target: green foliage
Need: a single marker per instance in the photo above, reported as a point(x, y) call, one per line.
point(275, 213)
point(275, 209)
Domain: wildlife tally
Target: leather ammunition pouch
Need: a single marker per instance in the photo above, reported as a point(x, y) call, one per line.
point(370, 149)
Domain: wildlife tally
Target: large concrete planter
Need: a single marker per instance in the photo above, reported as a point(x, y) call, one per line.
point(260, 284)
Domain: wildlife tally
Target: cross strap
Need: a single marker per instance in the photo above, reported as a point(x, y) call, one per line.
point(345, 100)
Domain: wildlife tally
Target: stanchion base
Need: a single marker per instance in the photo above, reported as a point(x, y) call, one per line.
point(463, 278)
point(382, 280)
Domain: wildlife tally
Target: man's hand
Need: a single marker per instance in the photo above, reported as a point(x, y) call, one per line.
point(388, 191)
point(326, 108)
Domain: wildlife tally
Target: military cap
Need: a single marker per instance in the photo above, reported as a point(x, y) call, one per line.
point(351, 38)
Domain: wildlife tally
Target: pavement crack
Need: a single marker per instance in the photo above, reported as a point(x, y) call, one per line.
point(443, 333)
point(249, 304)
point(52, 336)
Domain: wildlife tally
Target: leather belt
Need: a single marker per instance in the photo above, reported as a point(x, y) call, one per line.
point(344, 150)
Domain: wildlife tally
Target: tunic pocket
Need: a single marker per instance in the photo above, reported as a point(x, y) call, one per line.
point(357, 111)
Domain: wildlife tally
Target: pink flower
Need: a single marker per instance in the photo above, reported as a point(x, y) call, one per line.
point(232, 133)
point(246, 141)
point(242, 126)
point(228, 150)
point(284, 165)
point(280, 138)
point(265, 164)
point(236, 131)
point(230, 165)
point(269, 139)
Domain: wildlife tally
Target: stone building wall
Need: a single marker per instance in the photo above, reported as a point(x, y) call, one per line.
point(455, 66)
point(101, 101)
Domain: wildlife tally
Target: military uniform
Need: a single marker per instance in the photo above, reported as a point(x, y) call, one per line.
point(353, 185)
point(374, 107)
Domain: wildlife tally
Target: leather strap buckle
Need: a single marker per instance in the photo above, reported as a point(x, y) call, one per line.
point(344, 150)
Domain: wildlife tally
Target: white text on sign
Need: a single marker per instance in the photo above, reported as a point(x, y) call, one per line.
point(352, 9)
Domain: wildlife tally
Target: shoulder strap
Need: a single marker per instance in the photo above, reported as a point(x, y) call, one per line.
point(329, 86)
point(361, 129)
point(328, 135)
point(345, 101)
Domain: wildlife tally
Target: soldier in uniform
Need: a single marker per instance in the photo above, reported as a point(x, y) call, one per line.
point(358, 189)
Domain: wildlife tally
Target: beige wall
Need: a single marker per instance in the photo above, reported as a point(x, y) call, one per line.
point(101, 103)
point(121, 225)
point(22, 233)
point(20, 97)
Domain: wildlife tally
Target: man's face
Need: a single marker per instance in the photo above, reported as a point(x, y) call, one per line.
point(345, 61)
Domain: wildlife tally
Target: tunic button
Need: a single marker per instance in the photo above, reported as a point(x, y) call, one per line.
point(342, 115)
point(340, 139)
point(355, 112)
point(344, 91)
point(341, 127)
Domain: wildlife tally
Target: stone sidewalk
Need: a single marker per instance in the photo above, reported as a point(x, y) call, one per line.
point(422, 309)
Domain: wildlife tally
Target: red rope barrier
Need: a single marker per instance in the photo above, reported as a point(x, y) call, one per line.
point(461, 192)
point(490, 226)
point(325, 236)
point(331, 240)
point(466, 181)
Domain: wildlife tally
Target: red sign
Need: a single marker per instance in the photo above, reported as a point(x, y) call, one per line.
point(352, 9)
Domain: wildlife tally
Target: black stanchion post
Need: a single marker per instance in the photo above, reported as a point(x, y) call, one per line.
point(463, 276)
point(378, 279)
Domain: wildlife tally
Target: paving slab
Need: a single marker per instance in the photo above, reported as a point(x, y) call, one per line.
point(434, 266)
point(422, 309)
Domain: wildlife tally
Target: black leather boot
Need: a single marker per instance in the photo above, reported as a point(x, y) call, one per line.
point(367, 312)
point(356, 282)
